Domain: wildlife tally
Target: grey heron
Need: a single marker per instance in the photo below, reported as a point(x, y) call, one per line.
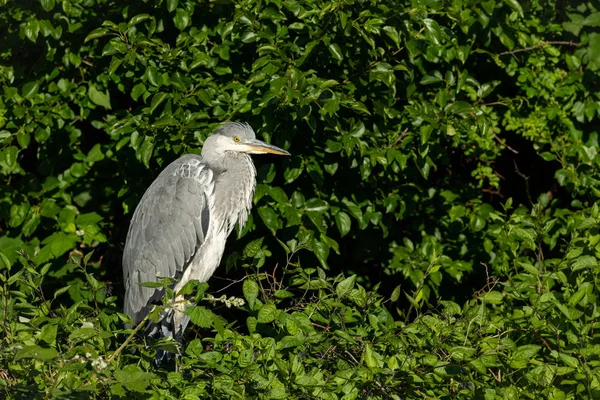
point(180, 225)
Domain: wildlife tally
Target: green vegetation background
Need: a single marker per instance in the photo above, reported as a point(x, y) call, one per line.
point(434, 235)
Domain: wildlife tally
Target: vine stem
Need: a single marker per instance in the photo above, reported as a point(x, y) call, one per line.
point(129, 339)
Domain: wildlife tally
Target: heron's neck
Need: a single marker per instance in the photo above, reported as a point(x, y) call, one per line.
point(236, 180)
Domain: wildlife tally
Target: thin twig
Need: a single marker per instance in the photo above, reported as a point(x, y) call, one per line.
point(231, 284)
point(351, 356)
point(493, 192)
point(490, 282)
point(502, 333)
point(526, 179)
point(400, 138)
point(425, 396)
point(277, 285)
point(371, 65)
point(496, 377)
point(539, 45)
point(545, 342)
point(325, 328)
point(504, 144)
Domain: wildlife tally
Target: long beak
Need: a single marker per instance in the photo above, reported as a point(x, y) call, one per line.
point(256, 146)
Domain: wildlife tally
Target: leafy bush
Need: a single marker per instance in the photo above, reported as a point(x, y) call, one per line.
point(435, 233)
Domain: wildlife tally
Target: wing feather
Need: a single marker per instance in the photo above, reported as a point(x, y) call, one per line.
point(168, 226)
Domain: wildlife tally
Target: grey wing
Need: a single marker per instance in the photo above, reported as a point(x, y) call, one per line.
point(168, 226)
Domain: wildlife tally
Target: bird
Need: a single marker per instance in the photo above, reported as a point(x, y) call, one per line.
point(179, 228)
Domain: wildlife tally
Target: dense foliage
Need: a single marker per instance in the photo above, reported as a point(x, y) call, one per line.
point(434, 235)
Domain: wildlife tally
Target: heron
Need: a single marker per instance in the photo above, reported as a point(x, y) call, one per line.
point(180, 226)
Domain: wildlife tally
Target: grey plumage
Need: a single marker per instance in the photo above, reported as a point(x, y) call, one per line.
point(180, 226)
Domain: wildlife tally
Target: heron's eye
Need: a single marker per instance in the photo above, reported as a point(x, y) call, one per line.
point(236, 139)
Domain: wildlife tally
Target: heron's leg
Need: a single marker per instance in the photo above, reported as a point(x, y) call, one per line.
point(178, 316)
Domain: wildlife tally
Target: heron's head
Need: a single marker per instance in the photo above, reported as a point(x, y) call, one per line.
point(238, 137)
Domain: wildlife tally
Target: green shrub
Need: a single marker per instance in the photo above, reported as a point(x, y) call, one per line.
point(433, 236)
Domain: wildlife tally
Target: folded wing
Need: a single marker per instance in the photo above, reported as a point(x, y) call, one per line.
point(168, 227)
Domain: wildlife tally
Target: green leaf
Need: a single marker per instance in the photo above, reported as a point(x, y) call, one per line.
point(462, 353)
point(395, 294)
point(316, 205)
point(514, 4)
point(114, 46)
point(335, 51)
point(144, 153)
point(48, 334)
point(59, 243)
point(96, 33)
point(392, 34)
point(344, 336)
point(95, 154)
point(153, 76)
point(138, 90)
point(157, 100)
point(267, 313)
point(41, 134)
point(48, 5)
point(593, 19)
point(288, 342)
point(333, 146)
point(430, 80)
point(246, 358)
point(18, 213)
point(493, 297)
point(133, 378)
point(32, 29)
point(9, 248)
point(99, 98)
point(250, 289)
point(278, 195)
point(153, 285)
point(95, 284)
point(172, 5)
point(78, 170)
point(37, 353)
point(459, 107)
point(425, 132)
point(60, 291)
point(8, 160)
point(433, 30)
point(253, 248)
point(139, 18)
point(594, 48)
point(291, 174)
point(269, 217)
point(526, 352)
point(343, 223)
point(31, 224)
point(283, 294)
point(4, 261)
point(547, 156)
point(181, 19)
point(321, 250)
point(370, 357)
point(200, 316)
point(30, 89)
point(571, 361)
point(345, 286)
point(584, 262)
